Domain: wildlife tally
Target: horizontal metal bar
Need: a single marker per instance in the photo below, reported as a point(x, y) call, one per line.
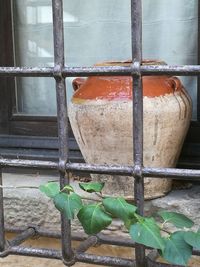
point(35, 252)
point(102, 239)
point(104, 260)
point(171, 173)
point(129, 170)
point(97, 168)
point(20, 163)
point(82, 257)
point(66, 71)
point(26, 71)
point(115, 241)
point(46, 253)
point(186, 70)
point(181, 174)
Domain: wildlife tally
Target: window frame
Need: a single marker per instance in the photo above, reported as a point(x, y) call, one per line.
point(33, 129)
point(21, 135)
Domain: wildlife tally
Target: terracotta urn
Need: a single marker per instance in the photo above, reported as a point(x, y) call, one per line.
point(100, 114)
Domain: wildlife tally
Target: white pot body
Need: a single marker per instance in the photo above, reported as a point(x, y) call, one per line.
point(100, 114)
point(103, 130)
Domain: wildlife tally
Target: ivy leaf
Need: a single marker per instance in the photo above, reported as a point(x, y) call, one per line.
point(93, 219)
point(177, 219)
point(177, 251)
point(50, 189)
point(91, 187)
point(193, 239)
point(68, 204)
point(147, 232)
point(119, 208)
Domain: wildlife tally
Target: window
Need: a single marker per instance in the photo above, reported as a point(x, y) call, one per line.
point(25, 112)
point(64, 164)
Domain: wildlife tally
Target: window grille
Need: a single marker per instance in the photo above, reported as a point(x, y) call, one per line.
point(60, 72)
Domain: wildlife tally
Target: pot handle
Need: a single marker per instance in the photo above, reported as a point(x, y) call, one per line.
point(77, 83)
point(175, 83)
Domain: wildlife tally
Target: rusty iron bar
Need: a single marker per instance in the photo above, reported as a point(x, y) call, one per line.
point(35, 252)
point(2, 231)
point(78, 237)
point(86, 244)
point(104, 260)
point(181, 174)
point(170, 173)
point(81, 257)
point(136, 38)
point(179, 70)
point(62, 119)
point(101, 238)
point(24, 163)
point(23, 236)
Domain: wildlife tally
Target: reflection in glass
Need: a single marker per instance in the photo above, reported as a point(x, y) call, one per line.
point(95, 31)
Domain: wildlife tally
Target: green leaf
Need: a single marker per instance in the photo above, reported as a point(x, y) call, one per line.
point(68, 204)
point(177, 251)
point(147, 232)
point(93, 219)
point(193, 238)
point(91, 187)
point(50, 189)
point(177, 219)
point(119, 208)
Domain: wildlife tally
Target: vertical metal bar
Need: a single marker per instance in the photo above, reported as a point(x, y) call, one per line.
point(2, 231)
point(136, 19)
point(62, 118)
point(198, 62)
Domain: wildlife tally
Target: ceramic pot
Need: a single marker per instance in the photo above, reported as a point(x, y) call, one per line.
point(100, 114)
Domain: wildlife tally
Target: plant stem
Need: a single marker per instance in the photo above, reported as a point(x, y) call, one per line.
point(99, 195)
point(166, 231)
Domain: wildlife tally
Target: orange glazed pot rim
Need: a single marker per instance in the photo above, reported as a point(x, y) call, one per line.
point(129, 62)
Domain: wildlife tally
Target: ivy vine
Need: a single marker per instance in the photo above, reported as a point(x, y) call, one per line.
point(176, 247)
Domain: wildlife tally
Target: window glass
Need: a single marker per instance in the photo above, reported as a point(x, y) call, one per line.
point(95, 31)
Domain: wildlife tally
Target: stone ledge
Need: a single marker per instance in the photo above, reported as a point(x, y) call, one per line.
point(29, 206)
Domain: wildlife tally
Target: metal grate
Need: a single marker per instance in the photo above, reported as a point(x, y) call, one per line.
point(60, 72)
